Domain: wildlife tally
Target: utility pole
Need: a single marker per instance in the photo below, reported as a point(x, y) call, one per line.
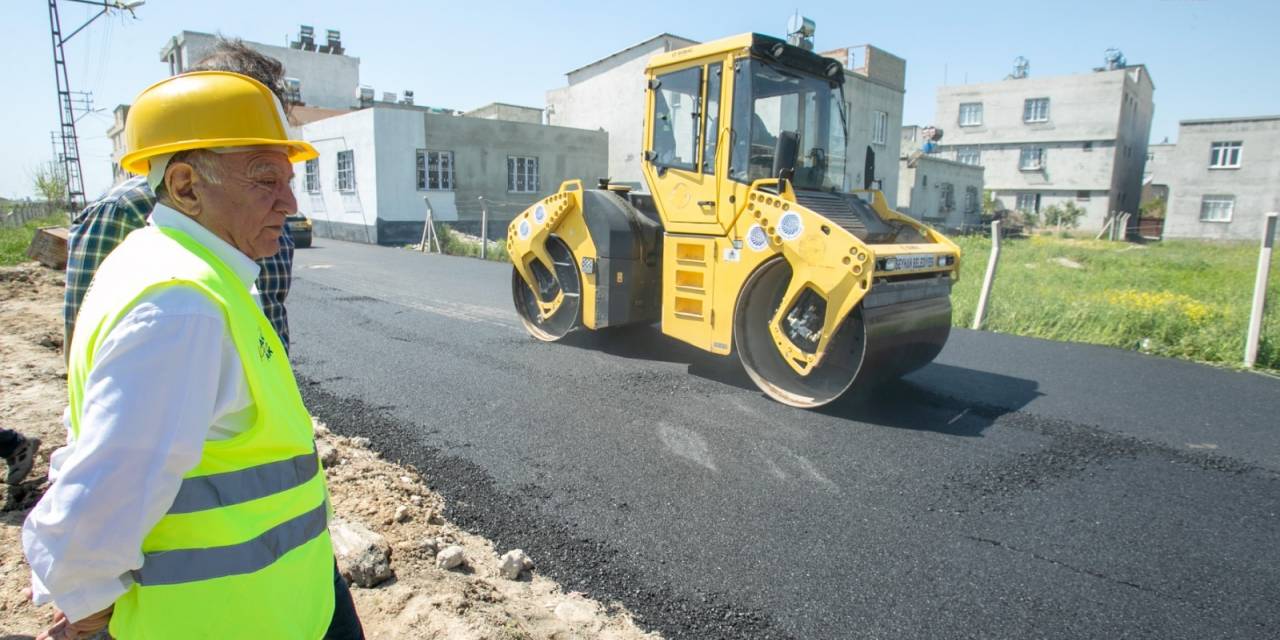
point(66, 103)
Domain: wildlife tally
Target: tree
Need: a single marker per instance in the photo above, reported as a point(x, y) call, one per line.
point(50, 182)
point(1065, 215)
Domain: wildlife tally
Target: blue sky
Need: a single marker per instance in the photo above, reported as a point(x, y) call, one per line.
point(1209, 58)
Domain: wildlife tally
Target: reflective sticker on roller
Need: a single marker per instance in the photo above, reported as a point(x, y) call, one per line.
point(790, 227)
point(524, 229)
point(757, 239)
point(540, 214)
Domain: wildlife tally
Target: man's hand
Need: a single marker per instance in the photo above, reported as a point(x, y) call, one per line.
point(63, 629)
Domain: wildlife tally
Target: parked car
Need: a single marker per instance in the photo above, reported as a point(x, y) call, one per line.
point(300, 229)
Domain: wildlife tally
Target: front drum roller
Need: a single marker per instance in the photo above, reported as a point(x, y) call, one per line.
point(875, 342)
point(566, 317)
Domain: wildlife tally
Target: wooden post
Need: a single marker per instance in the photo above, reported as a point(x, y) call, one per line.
point(991, 274)
point(1260, 290)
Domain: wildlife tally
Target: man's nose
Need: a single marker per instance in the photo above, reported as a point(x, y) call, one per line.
point(286, 203)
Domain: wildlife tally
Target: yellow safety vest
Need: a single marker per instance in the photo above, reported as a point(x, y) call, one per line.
point(244, 552)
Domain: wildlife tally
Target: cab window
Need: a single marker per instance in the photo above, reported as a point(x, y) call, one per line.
point(676, 111)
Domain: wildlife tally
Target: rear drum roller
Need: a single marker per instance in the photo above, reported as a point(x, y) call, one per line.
point(568, 316)
point(759, 300)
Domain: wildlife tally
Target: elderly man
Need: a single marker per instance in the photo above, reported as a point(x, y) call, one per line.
point(189, 502)
point(103, 225)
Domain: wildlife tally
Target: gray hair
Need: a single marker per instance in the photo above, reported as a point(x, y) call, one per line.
point(204, 162)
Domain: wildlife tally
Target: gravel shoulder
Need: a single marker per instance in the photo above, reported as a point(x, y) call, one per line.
point(388, 520)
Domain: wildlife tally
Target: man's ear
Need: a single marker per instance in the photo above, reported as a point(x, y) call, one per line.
point(180, 181)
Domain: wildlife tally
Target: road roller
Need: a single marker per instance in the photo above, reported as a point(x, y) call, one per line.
point(749, 239)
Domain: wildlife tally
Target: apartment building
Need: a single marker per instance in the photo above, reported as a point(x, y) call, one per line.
point(1223, 177)
point(1078, 138)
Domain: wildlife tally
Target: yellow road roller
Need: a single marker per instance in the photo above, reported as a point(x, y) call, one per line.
point(749, 240)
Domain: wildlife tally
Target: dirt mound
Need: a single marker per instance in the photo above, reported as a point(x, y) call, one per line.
point(420, 600)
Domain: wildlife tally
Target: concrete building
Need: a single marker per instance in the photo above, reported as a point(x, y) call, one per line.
point(874, 84)
point(508, 112)
point(322, 79)
point(943, 193)
point(609, 94)
point(116, 134)
point(376, 165)
point(1078, 138)
point(325, 76)
point(1223, 176)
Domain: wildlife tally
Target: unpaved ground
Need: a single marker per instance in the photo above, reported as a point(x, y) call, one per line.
point(421, 601)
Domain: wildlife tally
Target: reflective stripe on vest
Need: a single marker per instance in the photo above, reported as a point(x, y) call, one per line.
point(193, 565)
point(234, 487)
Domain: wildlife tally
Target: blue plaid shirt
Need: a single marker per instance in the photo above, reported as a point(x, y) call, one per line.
point(102, 226)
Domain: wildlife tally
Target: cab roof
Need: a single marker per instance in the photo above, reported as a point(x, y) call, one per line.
point(755, 45)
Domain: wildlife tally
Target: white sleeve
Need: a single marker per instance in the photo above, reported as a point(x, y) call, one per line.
point(149, 401)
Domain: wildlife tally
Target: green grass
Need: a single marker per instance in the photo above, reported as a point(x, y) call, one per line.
point(452, 244)
point(1183, 299)
point(15, 240)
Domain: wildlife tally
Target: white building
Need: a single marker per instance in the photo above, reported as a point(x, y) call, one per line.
point(377, 164)
point(609, 94)
point(943, 193)
point(325, 76)
point(322, 79)
point(1223, 177)
point(874, 84)
point(1078, 138)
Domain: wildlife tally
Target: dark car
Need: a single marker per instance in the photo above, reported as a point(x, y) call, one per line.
point(300, 229)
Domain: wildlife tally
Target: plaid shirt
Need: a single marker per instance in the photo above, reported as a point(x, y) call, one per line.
point(102, 226)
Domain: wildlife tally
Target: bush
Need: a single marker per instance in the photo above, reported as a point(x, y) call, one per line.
point(1066, 215)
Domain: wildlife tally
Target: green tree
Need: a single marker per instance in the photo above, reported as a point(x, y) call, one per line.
point(50, 182)
point(1064, 216)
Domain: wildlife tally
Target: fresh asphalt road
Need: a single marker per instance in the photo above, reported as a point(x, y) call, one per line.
point(1015, 488)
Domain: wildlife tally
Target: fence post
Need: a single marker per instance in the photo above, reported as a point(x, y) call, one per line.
point(428, 228)
point(1260, 290)
point(484, 230)
point(991, 274)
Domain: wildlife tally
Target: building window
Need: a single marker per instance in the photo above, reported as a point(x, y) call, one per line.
point(522, 174)
point(947, 197)
point(1032, 159)
point(1029, 202)
point(346, 170)
point(312, 178)
point(969, 155)
point(970, 199)
point(1082, 195)
point(970, 114)
point(1035, 110)
point(879, 127)
point(435, 170)
point(1217, 208)
point(1224, 155)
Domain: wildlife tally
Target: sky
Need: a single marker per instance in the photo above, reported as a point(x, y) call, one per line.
point(1208, 58)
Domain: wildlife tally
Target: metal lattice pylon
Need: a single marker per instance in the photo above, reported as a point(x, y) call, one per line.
point(70, 144)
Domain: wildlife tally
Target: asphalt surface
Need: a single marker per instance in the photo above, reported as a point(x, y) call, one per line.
point(1015, 488)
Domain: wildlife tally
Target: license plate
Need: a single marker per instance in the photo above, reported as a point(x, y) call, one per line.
point(915, 262)
point(297, 226)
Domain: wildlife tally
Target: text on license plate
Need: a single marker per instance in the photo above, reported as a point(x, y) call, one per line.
point(915, 262)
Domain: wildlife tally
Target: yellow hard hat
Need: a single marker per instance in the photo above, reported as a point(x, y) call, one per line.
point(205, 110)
